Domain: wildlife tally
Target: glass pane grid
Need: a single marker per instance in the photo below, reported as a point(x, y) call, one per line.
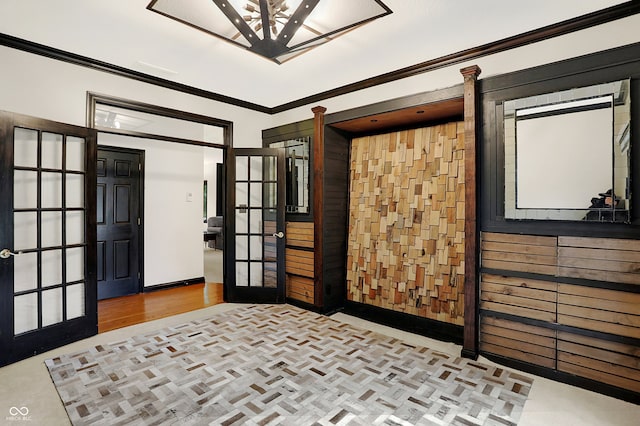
point(49, 229)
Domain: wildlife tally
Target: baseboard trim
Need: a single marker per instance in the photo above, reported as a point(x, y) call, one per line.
point(423, 326)
point(165, 286)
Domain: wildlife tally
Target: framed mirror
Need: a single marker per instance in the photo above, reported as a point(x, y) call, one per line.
point(297, 166)
point(567, 155)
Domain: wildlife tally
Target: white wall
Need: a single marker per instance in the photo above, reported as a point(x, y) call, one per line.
point(172, 221)
point(212, 156)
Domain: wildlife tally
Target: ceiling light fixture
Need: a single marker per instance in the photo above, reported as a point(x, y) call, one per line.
point(276, 29)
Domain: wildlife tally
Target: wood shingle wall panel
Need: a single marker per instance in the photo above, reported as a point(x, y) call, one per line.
point(406, 225)
point(522, 253)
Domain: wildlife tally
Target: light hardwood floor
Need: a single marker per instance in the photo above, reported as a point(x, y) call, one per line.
point(138, 308)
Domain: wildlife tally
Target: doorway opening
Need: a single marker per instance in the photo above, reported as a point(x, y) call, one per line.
point(184, 192)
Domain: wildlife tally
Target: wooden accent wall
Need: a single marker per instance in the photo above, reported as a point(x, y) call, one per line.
point(299, 261)
point(406, 228)
point(570, 304)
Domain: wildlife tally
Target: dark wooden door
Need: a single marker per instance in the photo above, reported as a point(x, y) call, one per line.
point(47, 235)
point(118, 215)
point(255, 223)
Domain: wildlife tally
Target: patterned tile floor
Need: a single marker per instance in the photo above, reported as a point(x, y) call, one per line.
point(277, 364)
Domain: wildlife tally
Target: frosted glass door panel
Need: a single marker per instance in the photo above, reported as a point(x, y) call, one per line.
point(51, 229)
point(51, 306)
point(255, 199)
point(242, 274)
point(242, 247)
point(25, 151)
point(256, 275)
point(25, 272)
point(242, 224)
point(25, 313)
point(256, 169)
point(75, 301)
point(256, 221)
point(256, 247)
point(242, 194)
point(51, 151)
point(25, 194)
point(75, 154)
point(75, 264)
point(51, 267)
point(74, 190)
point(242, 169)
point(25, 230)
point(75, 227)
point(51, 185)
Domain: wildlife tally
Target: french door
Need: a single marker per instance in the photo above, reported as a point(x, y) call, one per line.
point(255, 216)
point(47, 235)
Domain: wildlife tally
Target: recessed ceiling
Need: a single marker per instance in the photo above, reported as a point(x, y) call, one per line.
point(279, 30)
point(409, 117)
point(126, 34)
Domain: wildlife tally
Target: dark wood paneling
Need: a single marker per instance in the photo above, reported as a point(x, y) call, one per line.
point(318, 168)
point(335, 206)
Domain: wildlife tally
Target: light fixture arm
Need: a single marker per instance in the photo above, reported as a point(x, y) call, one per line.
point(237, 20)
point(297, 19)
point(265, 13)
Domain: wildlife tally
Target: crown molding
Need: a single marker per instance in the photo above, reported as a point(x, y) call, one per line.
point(599, 17)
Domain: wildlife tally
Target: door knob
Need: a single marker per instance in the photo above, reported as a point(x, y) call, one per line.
point(6, 253)
point(278, 234)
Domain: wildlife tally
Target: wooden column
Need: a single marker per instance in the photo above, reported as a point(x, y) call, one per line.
point(318, 197)
point(470, 347)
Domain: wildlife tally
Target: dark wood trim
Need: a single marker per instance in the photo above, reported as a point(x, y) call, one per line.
point(470, 347)
point(181, 283)
point(599, 17)
point(423, 326)
point(318, 196)
point(95, 98)
point(570, 379)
